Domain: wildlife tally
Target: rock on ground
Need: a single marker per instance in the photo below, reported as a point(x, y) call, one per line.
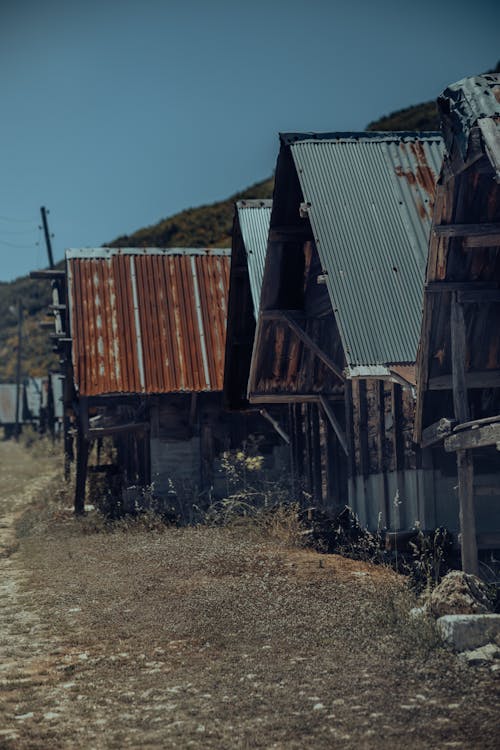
point(459, 594)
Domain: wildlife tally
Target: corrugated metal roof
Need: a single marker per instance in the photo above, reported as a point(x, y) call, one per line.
point(8, 403)
point(468, 101)
point(254, 217)
point(147, 320)
point(370, 202)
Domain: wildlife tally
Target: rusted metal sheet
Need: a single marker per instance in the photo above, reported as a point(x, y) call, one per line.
point(148, 320)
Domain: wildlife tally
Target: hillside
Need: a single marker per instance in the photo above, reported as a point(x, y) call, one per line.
point(206, 226)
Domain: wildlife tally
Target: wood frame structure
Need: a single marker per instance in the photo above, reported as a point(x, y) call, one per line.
point(458, 394)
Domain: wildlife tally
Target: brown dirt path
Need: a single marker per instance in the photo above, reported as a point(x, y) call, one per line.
point(215, 638)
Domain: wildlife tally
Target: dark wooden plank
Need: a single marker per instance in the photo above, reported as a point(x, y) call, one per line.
point(363, 429)
point(479, 296)
point(468, 541)
point(480, 437)
point(473, 379)
point(458, 358)
point(282, 398)
point(351, 456)
point(437, 431)
point(477, 423)
point(290, 234)
point(98, 432)
point(317, 474)
point(473, 243)
point(466, 230)
point(436, 287)
point(398, 440)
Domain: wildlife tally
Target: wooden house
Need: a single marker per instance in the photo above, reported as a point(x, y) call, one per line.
point(143, 342)
point(458, 374)
point(339, 319)
point(248, 255)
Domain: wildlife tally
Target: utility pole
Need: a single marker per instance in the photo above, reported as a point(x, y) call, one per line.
point(47, 236)
point(18, 366)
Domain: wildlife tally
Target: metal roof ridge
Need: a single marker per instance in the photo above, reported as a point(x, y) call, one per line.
point(254, 203)
point(289, 138)
point(105, 252)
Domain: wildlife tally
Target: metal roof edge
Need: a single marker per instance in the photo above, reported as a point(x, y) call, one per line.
point(288, 139)
point(254, 203)
point(107, 252)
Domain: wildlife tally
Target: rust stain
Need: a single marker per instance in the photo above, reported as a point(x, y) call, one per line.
point(181, 317)
point(496, 93)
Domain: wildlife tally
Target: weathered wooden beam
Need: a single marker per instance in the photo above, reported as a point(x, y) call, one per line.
point(96, 432)
point(437, 432)
point(327, 408)
point(276, 425)
point(473, 243)
point(479, 296)
point(397, 416)
point(468, 541)
point(48, 273)
point(364, 453)
point(465, 464)
point(282, 398)
point(290, 234)
point(437, 287)
point(473, 438)
point(473, 379)
point(466, 230)
point(307, 340)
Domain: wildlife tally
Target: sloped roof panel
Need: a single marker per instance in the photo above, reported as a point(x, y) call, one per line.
point(370, 206)
point(148, 320)
point(254, 217)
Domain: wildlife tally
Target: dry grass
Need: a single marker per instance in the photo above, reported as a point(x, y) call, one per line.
point(223, 638)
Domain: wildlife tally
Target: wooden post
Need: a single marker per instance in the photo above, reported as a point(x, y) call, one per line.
point(465, 465)
point(316, 455)
point(349, 428)
point(18, 368)
point(363, 430)
point(82, 458)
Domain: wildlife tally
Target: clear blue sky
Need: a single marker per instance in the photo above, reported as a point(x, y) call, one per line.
point(115, 114)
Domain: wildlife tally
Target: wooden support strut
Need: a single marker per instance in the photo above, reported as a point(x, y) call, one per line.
point(465, 466)
point(327, 408)
point(307, 340)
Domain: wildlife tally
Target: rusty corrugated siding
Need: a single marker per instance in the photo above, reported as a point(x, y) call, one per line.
point(148, 321)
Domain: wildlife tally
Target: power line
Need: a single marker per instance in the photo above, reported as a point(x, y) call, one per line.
point(17, 221)
point(21, 247)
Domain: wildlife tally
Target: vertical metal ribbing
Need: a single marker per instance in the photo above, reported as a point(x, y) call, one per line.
point(200, 322)
point(140, 357)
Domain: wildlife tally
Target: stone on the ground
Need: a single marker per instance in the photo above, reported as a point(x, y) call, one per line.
point(483, 655)
point(459, 594)
point(469, 632)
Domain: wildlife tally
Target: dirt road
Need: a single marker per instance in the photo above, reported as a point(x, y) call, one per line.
point(211, 638)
